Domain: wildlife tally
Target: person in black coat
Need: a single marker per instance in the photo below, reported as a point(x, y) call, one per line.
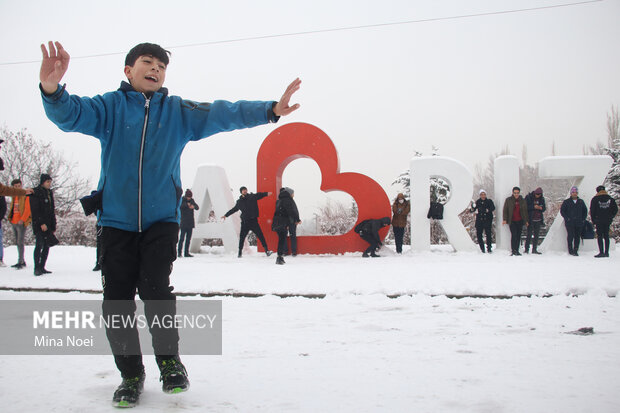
point(285, 216)
point(574, 211)
point(535, 207)
point(2, 214)
point(188, 206)
point(484, 208)
point(603, 209)
point(369, 232)
point(43, 222)
point(248, 205)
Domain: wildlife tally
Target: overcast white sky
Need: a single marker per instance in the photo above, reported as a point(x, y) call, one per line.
point(469, 86)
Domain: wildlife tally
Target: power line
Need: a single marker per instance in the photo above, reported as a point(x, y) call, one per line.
point(337, 29)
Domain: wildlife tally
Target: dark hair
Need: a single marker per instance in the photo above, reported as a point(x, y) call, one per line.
point(600, 188)
point(517, 188)
point(16, 181)
point(150, 49)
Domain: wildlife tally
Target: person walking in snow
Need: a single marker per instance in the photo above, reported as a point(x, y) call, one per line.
point(285, 216)
point(603, 209)
point(368, 230)
point(188, 206)
point(484, 207)
point(248, 205)
point(400, 210)
point(574, 211)
point(515, 215)
point(535, 208)
point(143, 131)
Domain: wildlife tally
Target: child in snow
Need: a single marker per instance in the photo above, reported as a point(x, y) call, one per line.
point(142, 131)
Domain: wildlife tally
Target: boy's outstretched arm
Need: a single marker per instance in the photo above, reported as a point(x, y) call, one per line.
point(282, 108)
point(53, 67)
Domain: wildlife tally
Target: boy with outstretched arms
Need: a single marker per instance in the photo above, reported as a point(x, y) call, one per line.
point(142, 131)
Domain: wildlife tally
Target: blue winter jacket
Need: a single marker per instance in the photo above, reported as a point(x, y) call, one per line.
point(141, 144)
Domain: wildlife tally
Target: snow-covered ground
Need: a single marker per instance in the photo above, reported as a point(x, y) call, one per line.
point(386, 336)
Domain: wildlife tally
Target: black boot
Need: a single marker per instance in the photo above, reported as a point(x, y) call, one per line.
point(280, 260)
point(128, 393)
point(173, 375)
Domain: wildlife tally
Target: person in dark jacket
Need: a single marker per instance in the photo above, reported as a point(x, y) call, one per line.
point(285, 216)
point(603, 209)
point(188, 206)
point(400, 210)
point(515, 214)
point(2, 214)
point(368, 230)
point(248, 205)
point(574, 211)
point(535, 208)
point(292, 229)
point(43, 222)
point(484, 208)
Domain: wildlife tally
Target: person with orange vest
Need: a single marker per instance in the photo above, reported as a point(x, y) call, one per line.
point(20, 218)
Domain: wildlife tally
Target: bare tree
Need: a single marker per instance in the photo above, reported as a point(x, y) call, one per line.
point(27, 158)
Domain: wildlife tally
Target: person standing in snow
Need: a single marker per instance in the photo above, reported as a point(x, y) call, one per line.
point(603, 209)
point(143, 131)
point(248, 205)
point(400, 210)
point(368, 230)
point(20, 218)
point(188, 206)
point(2, 214)
point(43, 222)
point(484, 207)
point(514, 215)
point(285, 216)
point(574, 211)
point(535, 208)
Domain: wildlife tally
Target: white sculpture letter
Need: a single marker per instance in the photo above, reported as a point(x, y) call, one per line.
point(212, 193)
point(506, 172)
point(461, 185)
point(588, 172)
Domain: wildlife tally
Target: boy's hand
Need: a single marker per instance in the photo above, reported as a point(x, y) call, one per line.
point(282, 108)
point(53, 67)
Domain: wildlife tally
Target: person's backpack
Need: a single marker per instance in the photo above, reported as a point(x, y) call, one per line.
point(435, 211)
point(588, 231)
point(361, 227)
point(280, 218)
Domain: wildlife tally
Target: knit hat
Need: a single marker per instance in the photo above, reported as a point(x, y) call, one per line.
point(574, 189)
point(538, 191)
point(45, 177)
point(242, 188)
point(188, 193)
point(289, 190)
point(482, 191)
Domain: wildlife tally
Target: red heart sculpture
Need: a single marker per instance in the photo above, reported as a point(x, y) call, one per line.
point(302, 140)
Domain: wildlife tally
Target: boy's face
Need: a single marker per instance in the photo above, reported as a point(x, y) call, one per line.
point(147, 74)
